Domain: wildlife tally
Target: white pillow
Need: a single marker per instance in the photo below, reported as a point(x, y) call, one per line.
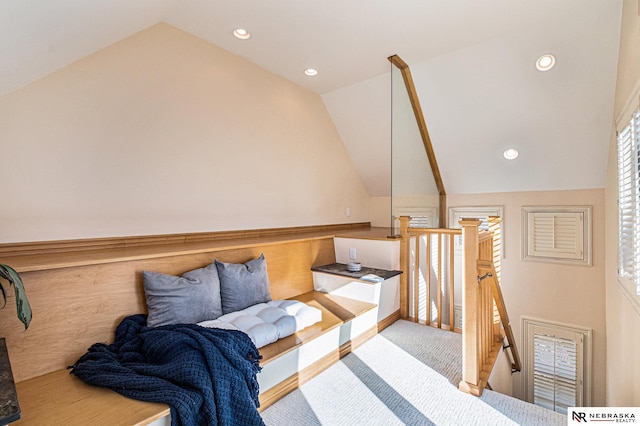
point(267, 322)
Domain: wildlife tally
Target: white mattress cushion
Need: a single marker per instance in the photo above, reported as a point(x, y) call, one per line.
point(267, 322)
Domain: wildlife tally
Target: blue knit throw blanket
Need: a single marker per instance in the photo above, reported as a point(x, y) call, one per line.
point(206, 375)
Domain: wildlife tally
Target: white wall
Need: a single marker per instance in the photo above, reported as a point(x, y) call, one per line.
point(623, 312)
point(165, 133)
point(382, 254)
point(567, 294)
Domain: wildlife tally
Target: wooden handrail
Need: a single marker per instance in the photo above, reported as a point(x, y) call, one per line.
point(424, 133)
point(481, 330)
point(488, 267)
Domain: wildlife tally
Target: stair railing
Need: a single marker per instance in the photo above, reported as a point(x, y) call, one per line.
point(483, 309)
point(427, 285)
point(427, 260)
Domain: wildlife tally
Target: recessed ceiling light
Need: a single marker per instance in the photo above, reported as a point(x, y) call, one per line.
point(241, 33)
point(546, 62)
point(510, 153)
point(311, 72)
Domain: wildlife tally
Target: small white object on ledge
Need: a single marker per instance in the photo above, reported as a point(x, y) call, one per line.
point(354, 266)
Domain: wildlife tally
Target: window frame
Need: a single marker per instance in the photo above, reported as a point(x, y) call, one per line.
point(583, 338)
point(430, 213)
point(479, 212)
point(629, 118)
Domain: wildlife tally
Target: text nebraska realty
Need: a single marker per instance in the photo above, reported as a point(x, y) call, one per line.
point(611, 417)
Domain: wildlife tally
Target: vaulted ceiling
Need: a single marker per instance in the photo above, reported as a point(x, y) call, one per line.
point(472, 62)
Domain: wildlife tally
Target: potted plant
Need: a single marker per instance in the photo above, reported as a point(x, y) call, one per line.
point(23, 308)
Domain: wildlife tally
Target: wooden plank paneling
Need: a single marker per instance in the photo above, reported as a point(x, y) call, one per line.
point(75, 307)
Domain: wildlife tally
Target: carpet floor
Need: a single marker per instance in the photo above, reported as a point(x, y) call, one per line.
point(406, 375)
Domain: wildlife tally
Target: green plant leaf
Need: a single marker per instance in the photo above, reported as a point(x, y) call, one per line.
point(23, 308)
point(4, 294)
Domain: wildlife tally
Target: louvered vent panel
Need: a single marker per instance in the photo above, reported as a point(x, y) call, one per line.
point(556, 235)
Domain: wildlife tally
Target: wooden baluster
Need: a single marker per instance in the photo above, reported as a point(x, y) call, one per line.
point(440, 278)
point(488, 319)
point(405, 258)
point(494, 226)
point(483, 324)
point(452, 299)
point(416, 279)
point(496, 229)
point(428, 279)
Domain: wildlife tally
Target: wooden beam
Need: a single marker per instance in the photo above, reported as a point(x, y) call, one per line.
point(424, 133)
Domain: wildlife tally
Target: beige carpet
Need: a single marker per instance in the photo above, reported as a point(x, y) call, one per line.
point(407, 375)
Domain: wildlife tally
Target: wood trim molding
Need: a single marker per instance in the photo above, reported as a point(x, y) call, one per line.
point(386, 322)
point(47, 247)
point(424, 132)
point(45, 255)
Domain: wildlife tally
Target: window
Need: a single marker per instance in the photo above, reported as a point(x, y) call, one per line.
point(421, 221)
point(557, 234)
point(629, 204)
point(480, 213)
point(556, 364)
point(421, 217)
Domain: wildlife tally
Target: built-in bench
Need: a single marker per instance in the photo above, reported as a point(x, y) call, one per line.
point(80, 292)
point(62, 398)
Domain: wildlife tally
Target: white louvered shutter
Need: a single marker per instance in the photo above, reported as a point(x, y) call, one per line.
point(629, 202)
point(555, 372)
point(556, 235)
point(421, 221)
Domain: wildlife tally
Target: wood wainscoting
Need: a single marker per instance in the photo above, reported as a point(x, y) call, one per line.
point(80, 290)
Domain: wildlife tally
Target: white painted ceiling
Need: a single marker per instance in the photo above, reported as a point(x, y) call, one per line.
point(472, 62)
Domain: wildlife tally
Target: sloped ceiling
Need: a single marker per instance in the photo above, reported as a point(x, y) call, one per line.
point(472, 62)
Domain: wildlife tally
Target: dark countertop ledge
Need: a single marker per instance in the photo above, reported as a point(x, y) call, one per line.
point(341, 269)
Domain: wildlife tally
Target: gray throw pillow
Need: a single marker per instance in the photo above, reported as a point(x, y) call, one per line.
point(188, 299)
point(243, 285)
